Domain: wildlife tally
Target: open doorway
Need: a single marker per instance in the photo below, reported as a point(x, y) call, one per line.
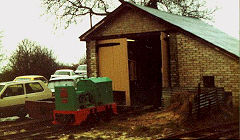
point(144, 55)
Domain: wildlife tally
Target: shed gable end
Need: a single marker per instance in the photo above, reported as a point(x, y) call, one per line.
point(130, 21)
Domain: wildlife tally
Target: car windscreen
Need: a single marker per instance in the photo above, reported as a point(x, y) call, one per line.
point(62, 73)
point(52, 84)
point(82, 67)
point(1, 87)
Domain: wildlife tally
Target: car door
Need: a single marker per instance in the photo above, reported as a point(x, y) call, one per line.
point(12, 99)
point(34, 91)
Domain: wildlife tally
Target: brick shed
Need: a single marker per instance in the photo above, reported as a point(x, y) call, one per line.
point(145, 51)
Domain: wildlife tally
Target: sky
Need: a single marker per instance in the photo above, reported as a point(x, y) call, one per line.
point(21, 19)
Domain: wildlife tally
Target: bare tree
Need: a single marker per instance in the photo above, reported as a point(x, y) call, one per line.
point(191, 8)
point(83, 60)
point(69, 11)
point(30, 58)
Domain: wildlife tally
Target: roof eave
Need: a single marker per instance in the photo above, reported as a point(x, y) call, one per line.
point(232, 55)
point(85, 36)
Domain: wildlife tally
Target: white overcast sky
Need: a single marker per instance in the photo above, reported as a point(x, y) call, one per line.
point(20, 19)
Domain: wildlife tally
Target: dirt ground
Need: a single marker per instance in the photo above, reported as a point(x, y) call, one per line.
point(155, 124)
point(151, 125)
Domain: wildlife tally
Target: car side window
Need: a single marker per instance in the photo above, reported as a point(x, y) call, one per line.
point(13, 90)
point(33, 88)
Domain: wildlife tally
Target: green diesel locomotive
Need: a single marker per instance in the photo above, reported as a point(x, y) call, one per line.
point(90, 100)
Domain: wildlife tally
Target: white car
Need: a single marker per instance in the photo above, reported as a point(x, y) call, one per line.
point(62, 73)
point(81, 70)
point(63, 81)
point(13, 95)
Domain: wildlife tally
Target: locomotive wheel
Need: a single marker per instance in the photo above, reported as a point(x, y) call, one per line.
point(22, 113)
point(92, 118)
point(107, 115)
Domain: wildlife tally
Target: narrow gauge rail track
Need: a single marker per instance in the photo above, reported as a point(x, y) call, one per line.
point(41, 129)
point(36, 129)
point(15, 124)
point(12, 131)
point(38, 133)
point(228, 130)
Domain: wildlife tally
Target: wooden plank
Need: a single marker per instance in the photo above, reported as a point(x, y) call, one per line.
point(209, 99)
point(165, 69)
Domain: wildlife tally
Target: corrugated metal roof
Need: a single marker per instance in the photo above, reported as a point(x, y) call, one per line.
point(198, 28)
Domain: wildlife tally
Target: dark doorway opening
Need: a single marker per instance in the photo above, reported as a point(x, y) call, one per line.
point(145, 62)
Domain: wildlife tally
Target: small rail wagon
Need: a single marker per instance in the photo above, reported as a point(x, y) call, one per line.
point(91, 100)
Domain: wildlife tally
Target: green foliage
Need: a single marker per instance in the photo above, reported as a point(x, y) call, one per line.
point(74, 66)
point(30, 59)
point(6, 74)
point(64, 66)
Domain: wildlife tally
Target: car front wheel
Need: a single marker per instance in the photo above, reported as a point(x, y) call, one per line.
point(22, 113)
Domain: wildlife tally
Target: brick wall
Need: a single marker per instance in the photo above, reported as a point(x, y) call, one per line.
point(196, 59)
point(92, 65)
point(174, 74)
